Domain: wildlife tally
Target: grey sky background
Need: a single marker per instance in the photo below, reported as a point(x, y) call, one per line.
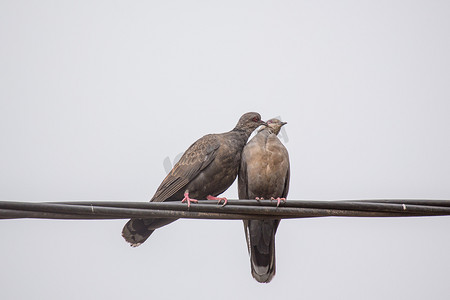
point(94, 95)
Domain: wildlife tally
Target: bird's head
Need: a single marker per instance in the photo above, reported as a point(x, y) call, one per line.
point(274, 125)
point(249, 122)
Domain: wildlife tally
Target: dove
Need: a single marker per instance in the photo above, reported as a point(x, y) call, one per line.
point(264, 174)
point(205, 170)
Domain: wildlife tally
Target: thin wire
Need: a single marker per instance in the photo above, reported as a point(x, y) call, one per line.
point(235, 209)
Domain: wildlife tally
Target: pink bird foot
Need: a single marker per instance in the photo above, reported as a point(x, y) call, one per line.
point(225, 200)
point(188, 200)
point(257, 198)
point(278, 200)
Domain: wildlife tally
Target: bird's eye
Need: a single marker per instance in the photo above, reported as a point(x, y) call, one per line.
point(255, 119)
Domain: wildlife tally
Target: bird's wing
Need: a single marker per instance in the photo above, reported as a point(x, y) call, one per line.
point(242, 178)
point(196, 158)
point(281, 160)
point(286, 182)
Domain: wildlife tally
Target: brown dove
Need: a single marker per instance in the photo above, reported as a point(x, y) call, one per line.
point(207, 168)
point(264, 173)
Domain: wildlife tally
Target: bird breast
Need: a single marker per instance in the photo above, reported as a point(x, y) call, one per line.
point(266, 174)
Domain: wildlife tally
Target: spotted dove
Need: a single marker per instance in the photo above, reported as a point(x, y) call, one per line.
point(207, 168)
point(264, 173)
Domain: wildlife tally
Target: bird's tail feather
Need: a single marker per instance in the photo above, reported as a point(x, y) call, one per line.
point(260, 236)
point(137, 231)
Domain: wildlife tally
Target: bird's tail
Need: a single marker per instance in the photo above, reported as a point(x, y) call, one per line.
point(260, 235)
point(137, 231)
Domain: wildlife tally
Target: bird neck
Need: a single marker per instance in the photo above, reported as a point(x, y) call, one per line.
point(245, 134)
point(267, 130)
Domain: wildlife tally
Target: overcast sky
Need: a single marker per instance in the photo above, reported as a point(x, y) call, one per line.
point(96, 95)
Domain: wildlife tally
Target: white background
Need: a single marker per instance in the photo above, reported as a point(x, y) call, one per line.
point(94, 95)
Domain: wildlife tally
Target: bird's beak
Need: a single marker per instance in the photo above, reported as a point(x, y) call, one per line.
point(263, 123)
point(283, 123)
